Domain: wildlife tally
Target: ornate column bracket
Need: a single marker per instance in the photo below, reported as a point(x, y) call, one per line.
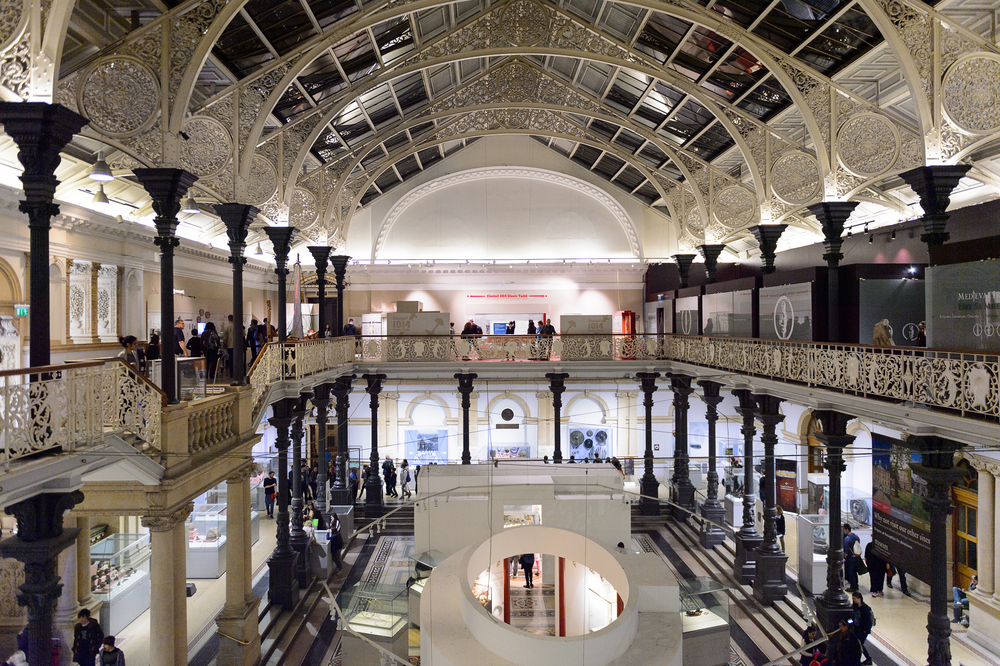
point(769, 579)
point(649, 486)
point(557, 386)
point(81, 300)
point(832, 215)
point(283, 587)
point(834, 605)
point(39, 540)
point(321, 255)
point(41, 131)
point(339, 263)
point(684, 262)
point(166, 521)
point(281, 240)
point(342, 391)
point(681, 488)
point(712, 510)
point(166, 187)
point(465, 380)
point(237, 218)
point(373, 486)
point(747, 539)
point(711, 254)
point(934, 185)
point(767, 236)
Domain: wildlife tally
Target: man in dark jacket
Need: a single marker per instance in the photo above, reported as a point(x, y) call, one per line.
point(350, 328)
point(87, 638)
point(527, 562)
point(852, 558)
point(864, 620)
point(252, 340)
point(849, 648)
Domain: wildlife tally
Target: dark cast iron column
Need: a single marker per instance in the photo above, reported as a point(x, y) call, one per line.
point(40, 131)
point(166, 187)
point(834, 605)
point(832, 215)
point(281, 240)
point(684, 262)
point(649, 487)
point(934, 185)
point(681, 488)
point(711, 254)
point(769, 579)
point(40, 538)
point(283, 588)
point(321, 254)
point(937, 468)
point(747, 539)
point(767, 236)
point(341, 494)
point(339, 263)
point(557, 384)
point(321, 400)
point(373, 486)
point(238, 218)
point(712, 510)
point(299, 538)
point(465, 380)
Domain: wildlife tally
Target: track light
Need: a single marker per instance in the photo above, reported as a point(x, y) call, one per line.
point(190, 205)
point(100, 171)
point(849, 232)
point(893, 236)
point(100, 198)
point(871, 238)
point(258, 252)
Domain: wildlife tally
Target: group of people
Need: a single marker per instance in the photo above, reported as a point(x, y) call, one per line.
point(880, 572)
point(392, 478)
point(91, 647)
point(527, 562)
point(846, 646)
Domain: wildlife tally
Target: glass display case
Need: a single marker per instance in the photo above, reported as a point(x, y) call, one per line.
point(814, 543)
point(516, 515)
point(379, 612)
point(704, 621)
point(119, 577)
point(421, 567)
point(206, 530)
point(856, 507)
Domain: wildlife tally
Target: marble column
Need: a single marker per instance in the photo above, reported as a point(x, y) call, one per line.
point(681, 488)
point(239, 633)
point(341, 494)
point(237, 218)
point(168, 594)
point(298, 538)
point(747, 539)
point(557, 386)
point(465, 380)
point(985, 523)
point(628, 423)
point(834, 605)
point(649, 486)
point(769, 583)
point(283, 589)
point(712, 510)
point(373, 486)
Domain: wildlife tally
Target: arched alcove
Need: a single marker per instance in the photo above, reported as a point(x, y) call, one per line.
point(508, 432)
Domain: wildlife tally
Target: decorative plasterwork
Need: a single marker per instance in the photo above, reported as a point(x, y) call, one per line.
point(263, 181)
point(795, 178)
point(13, 18)
point(602, 197)
point(303, 209)
point(734, 207)
point(971, 93)
point(120, 96)
point(868, 144)
point(208, 148)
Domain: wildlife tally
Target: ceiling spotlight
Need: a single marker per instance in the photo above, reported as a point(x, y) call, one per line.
point(100, 198)
point(258, 252)
point(101, 171)
point(190, 205)
point(893, 236)
point(871, 238)
point(849, 232)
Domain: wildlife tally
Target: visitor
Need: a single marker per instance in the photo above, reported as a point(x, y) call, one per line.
point(404, 471)
point(779, 526)
point(386, 467)
point(891, 571)
point(815, 655)
point(270, 489)
point(527, 562)
point(393, 480)
point(876, 570)
point(849, 650)
point(194, 344)
point(336, 543)
point(153, 348)
point(961, 599)
point(128, 354)
point(352, 483)
point(211, 344)
point(864, 621)
point(87, 637)
point(350, 329)
point(416, 475)
point(110, 655)
point(852, 558)
point(227, 343)
point(251, 340)
point(180, 349)
point(365, 471)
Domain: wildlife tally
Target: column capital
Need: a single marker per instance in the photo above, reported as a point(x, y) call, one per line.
point(711, 392)
point(832, 215)
point(242, 473)
point(321, 255)
point(684, 262)
point(465, 380)
point(627, 394)
point(237, 218)
point(767, 236)
point(647, 381)
point(711, 254)
point(41, 517)
point(165, 186)
point(281, 240)
point(166, 521)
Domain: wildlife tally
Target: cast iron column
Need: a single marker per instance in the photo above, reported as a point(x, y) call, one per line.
point(557, 384)
point(767, 236)
point(937, 468)
point(281, 240)
point(321, 254)
point(465, 380)
point(681, 488)
point(321, 400)
point(373, 487)
point(283, 587)
point(712, 510)
point(298, 537)
point(684, 262)
point(339, 263)
point(341, 494)
point(747, 539)
point(166, 187)
point(649, 487)
point(711, 254)
point(832, 216)
point(934, 185)
point(834, 605)
point(40, 538)
point(40, 131)
point(238, 218)
point(769, 579)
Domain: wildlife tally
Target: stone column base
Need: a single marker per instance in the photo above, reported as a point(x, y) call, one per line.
point(650, 489)
point(239, 635)
point(682, 495)
point(301, 549)
point(769, 583)
point(984, 621)
point(341, 497)
point(283, 589)
point(745, 564)
point(829, 617)
point(711, 532)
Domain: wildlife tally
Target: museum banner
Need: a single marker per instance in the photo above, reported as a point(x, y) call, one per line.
point(900, 524)
point(786, 312)
point(963, 306)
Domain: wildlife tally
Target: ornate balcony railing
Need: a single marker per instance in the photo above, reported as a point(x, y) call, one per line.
point(64, 407)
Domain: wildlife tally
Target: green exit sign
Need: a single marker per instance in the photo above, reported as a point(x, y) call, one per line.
point(20, 310)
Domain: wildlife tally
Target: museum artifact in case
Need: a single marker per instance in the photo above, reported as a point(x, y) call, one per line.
point(704, 621)
point(119, 577)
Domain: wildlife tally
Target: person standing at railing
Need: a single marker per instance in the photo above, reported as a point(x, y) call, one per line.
point(128, 353)
point(180, 349)
point(546, 332)
point(252, 340)
point(211, 343)
point(153, 348)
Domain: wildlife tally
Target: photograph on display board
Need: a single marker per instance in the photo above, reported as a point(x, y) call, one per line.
point(590, 442)
point(900, 523)
point(423, 446)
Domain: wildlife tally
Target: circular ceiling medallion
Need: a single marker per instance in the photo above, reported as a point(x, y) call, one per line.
point(208, 148)
point(263, 181)
point(516, 83)
point(12, 21)
point(695, 223)
point(972, 93)
point(524, 22)
point(513, 118)
point(734, 207)
point(867, 144)
point(303, 210)
point(795, 178)
point(120, 96)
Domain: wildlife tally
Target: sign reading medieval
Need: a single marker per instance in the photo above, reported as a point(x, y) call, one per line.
point(963, 306)
point(786, 312)
point(901, 529)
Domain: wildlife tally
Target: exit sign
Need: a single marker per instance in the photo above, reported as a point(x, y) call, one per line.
point(21, 310)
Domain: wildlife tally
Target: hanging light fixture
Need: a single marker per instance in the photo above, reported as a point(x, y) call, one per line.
point(258, 252)
point(100, 171)
point(190, 205)
point(871, 238)
point(100, 198)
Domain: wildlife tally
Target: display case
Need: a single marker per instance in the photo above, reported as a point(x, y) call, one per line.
point(206, 530)
point(421, 567)
point(119, 578)
point(856, 507)
point(380, 613)
point(704, 621)
point(814, 543)
point(516, 515)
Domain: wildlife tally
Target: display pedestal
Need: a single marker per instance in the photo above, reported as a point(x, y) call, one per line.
point(812, 565)
point(320, 562)
point(745, 564)
point(769, 583)
point(284, 583)
point(386, 630)
point(206, 559)
point(706, 639)
point(130, 601)
point(734, 511)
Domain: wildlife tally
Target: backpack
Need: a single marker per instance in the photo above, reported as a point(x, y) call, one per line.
point(213, 342)
point(407, 476)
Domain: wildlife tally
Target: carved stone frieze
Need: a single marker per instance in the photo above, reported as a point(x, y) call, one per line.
point(209, 146)
point(971, 93)
point(816, 94)
point(15, 67)
point(795, 178)
point(868, 144)
point(12, 18)
point(148, 144)
point(120, 96)
point(11, 578)
point(253, 95)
